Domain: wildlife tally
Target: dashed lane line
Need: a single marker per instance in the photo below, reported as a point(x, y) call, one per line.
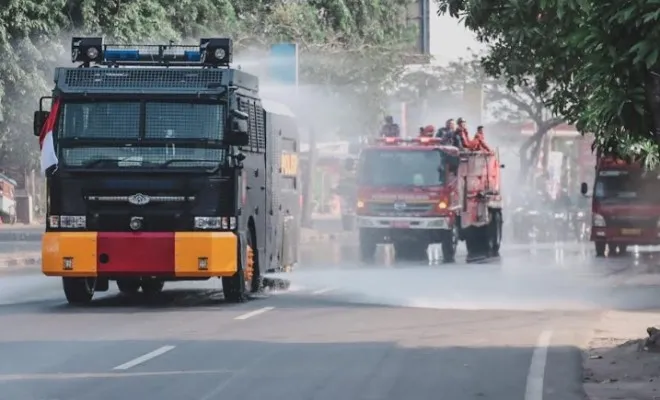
point(254, 313)
point(143, 358)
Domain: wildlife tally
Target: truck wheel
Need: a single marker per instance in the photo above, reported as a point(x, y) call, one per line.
point(600, 249)
point(237, 287)
point(367, 246)
point(151, 286)
point(495, 233)
point(449, 244)
point(78, 291)
point(128, 286)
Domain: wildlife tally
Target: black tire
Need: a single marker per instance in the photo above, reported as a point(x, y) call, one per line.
point(449, 245)
point(600, 248)
point(367, 246)
point(236, 288)
point(255, 285)
point(495, 233)
point(128, 286)
point(151, 287)
point(622, 249)
point(78, 291)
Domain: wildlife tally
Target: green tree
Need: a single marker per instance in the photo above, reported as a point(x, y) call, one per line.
point(361, 42)
point(596, 62)
point(516, 105)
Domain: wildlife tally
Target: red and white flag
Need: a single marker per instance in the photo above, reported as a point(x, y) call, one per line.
point(48, 154)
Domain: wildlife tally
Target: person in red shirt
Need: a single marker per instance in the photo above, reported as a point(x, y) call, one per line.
point(428, 131)
point(462, 135)
point(479, 142)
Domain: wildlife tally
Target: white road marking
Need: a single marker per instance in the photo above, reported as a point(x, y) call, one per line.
point(321, 291)
point(144, 358)
point(254, 313)
point(536, 375)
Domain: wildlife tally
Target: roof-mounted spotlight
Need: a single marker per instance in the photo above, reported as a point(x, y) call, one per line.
point(216, 51)
point(87, 49)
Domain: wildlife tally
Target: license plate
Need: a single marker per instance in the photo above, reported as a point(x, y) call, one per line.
point(400, 224)
point(631, 231)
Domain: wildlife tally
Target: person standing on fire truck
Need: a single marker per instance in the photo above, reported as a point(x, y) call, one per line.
point(428, 131)
point(462, 137)
point(446, 133)
point(390, 129)
point(479, 142)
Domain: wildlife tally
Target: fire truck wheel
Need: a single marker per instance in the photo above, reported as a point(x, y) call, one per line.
point(600, 249)
point(78, 291)
point(151, 286)
point(128, 286)
point(449, 244)
point(495, 233)
point(367, 246)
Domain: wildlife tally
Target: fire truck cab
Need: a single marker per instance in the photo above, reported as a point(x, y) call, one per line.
point(414, 192)
point(625, 205)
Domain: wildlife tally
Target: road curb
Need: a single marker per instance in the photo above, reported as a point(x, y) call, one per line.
point(318, 237)
point(17, 262)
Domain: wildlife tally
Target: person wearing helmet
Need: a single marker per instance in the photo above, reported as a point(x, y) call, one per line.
point(390, 129)
point(428, 131)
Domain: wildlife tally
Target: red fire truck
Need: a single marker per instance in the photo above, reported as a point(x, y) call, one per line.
point(414, 192)
point(625, 205)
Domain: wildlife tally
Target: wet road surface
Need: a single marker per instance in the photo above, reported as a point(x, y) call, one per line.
point(507, 329)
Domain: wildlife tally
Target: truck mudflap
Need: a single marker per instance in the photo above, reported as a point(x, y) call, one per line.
point(121, 254)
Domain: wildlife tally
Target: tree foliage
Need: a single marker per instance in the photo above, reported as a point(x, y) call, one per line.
point(518, 104)
point(596, 62)
point(35, 35)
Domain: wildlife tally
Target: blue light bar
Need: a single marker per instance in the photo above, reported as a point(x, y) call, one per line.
point(122, 55)
point(192, 55)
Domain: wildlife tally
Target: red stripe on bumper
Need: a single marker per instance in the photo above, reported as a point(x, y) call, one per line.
point(143, 253)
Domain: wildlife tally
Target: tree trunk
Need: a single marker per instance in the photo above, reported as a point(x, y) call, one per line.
point(529, 152)
point(653, 99)
point(528, 159)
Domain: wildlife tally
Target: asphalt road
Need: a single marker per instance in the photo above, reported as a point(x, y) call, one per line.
point(508, 329)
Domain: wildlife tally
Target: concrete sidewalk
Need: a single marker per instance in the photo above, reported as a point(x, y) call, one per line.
point(314, 236)
point(617, 364)
point(20, 259)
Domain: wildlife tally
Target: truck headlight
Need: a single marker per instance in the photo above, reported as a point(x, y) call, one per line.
point(599, 221)
point(67, 221)
point(215, 223)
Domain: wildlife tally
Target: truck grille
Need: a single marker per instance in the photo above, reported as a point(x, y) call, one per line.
point(410, 208)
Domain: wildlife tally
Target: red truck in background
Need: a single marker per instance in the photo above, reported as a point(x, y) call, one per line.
point(625, 205)
point(414, 192)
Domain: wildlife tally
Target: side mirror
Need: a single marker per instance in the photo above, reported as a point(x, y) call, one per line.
point(237, 134)
point(39, 121)
point(584, 188)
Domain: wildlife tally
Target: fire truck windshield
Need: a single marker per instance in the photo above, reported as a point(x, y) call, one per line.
point(136, 134)
point(627, 187)
point(405, 167)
